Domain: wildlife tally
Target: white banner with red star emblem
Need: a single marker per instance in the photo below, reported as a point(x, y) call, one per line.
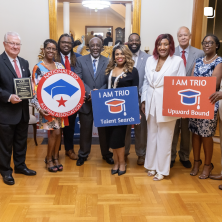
point(61, 92)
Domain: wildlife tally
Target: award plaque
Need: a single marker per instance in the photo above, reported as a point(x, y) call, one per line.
point(23, 88)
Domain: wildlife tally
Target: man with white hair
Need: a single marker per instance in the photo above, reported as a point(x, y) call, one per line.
point(189, 55)
point(14, 112)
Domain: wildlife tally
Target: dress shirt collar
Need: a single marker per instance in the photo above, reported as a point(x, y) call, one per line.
point(11, 59)
point(97, 59)
point(186, 50)
point(137, 53)
point(63, 56)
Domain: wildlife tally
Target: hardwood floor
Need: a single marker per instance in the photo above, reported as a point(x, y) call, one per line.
point(90, 193)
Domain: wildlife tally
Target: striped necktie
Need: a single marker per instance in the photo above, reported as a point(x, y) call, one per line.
point(94, 67)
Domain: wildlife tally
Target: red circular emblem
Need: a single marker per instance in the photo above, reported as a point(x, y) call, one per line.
point(61, 92)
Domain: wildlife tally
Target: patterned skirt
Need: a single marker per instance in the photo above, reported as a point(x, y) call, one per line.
point(204, 127)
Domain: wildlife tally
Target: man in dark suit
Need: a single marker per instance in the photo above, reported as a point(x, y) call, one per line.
point(91, 69)
point(189, 54)
point(14, 112)
point(67, 57)
point(108, 39)
point(140, 58)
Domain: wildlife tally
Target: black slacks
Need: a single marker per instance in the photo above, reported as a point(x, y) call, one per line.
point(86, 124)
point(68, 132)
point(13, 138)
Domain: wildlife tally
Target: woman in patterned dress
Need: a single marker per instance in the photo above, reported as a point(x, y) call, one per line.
point(46, 121)
point(204, 129)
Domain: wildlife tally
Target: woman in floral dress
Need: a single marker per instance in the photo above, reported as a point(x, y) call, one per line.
point(46, 121)
point(204, 129)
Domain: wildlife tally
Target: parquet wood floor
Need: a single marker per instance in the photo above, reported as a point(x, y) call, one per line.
point(91, 194)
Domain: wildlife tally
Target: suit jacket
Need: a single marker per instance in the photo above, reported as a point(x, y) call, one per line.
point(72, 68)
point(84, 69)
point(141, 64)
point(11, 114)
point(194, 54)
point(173, 66)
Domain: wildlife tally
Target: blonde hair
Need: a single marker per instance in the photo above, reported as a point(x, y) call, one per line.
point(128, 67)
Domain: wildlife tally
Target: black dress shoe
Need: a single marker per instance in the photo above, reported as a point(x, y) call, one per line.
point(25, 171)
point(114, 171)
point(172, 163)
point(8, 179)
point(81, 161)
point(186, 164)
point(109, 160)
point(121, 172)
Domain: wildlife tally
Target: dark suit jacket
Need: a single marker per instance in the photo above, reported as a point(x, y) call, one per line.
point(11, 114)
point(72, 68)
point(84, 70)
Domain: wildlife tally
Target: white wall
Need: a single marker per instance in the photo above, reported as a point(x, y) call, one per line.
point(30, 18)
point(163, 16)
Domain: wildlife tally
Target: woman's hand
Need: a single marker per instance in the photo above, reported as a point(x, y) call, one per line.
point(43, 112)
point(143, 107)
point(215, 97)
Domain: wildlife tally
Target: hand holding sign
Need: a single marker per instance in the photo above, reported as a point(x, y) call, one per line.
point(215, 97)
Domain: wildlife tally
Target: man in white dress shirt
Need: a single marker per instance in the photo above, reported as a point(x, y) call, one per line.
point(140, 59)
point(189, 55)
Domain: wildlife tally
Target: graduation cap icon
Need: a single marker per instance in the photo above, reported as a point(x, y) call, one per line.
point(189, 97)
point(61, 87)
point(116, 106)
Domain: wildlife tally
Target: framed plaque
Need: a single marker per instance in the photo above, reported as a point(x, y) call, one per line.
point(23, 88)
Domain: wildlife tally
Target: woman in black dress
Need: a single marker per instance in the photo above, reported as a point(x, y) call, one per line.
point(120, 73)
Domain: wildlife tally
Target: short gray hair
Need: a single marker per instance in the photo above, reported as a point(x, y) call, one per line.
point(11, 34)
point(183, 27)
point(95, 38)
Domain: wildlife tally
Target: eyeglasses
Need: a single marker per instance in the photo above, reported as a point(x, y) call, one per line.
point(13, 44)
point(210, 43)
point(50, 49)
point(64, 42)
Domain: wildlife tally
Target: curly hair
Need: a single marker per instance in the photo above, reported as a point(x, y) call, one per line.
point(128, 66)
point(72, 57)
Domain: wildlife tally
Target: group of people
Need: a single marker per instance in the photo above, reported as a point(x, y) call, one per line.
point(105, 41)
point(156, 137)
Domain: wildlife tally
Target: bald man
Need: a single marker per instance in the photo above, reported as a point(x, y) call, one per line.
point(91, 69)
point(189, 55)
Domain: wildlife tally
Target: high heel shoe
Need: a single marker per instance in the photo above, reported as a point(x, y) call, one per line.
point(53, 169)
point(114, 171)
point(194, 172)
point(122, 172)
point(59, 167)
point(205, 176)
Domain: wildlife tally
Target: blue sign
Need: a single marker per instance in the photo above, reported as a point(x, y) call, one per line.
point(113, 107)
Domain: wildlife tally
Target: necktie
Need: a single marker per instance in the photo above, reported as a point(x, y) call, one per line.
point(184, 58)
point(17, 69)
point(94, 67)
point(67, 64)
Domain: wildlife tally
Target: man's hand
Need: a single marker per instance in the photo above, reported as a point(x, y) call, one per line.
point(15, 99)
point(143, 107)
point(90, 94)
point(215, 97)
point(43, 112)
